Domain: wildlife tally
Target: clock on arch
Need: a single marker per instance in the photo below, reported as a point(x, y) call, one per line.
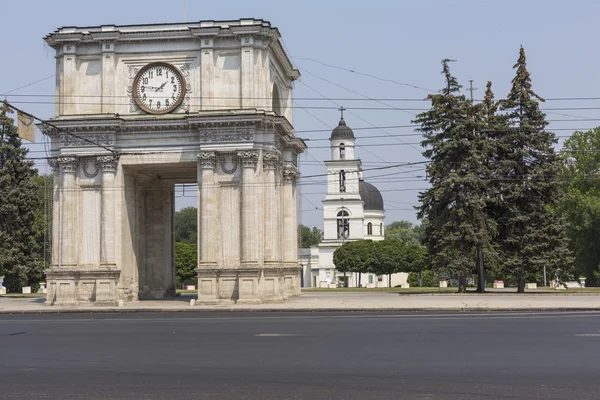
point(158, 88)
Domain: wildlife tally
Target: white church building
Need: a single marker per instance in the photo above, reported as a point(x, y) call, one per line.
point(352, 210)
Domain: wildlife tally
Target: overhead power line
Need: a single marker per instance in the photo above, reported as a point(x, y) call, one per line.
point(58, 129)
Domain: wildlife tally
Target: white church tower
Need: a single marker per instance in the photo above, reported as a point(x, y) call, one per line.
point(352, 209)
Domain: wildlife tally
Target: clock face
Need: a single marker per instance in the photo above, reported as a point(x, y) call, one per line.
point(158, 88)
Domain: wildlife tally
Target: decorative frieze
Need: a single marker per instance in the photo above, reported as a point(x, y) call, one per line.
point(249, 158)
point(103, 139)
point(207, 159)
point(227, 136)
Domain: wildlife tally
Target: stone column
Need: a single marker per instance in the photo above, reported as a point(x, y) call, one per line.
point(68, 237)
point(248, 73)
point(207, 205)
point(208, 276)
point(108, 79)
point(290, 283)
point(207, 76)
point(56, 203)
point(108, 164)
point(67, 79)
point(272, 207)
point(250, 229)
point(290, 234)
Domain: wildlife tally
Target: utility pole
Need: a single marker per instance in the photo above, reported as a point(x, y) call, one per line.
point(471, 88)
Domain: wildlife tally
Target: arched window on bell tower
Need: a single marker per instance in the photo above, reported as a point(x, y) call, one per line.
point(369, 228)
point(343, 225)
point(342, 181)
point(342, 151)
point(381, 229)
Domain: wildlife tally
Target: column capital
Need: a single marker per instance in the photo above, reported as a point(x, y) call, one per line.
point(108, 163)
point(54, 165)
point(270, 160)
point(248, 158)
point(290, 175)
point(68, 165)
point(207, 159)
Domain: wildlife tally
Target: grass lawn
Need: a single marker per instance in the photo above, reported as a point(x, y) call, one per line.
point(470, 290)
point(414, 290)
point(24, 296)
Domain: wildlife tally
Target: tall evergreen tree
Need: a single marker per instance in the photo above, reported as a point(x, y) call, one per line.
point(17, 206)
point(454, 208)
point(532, 237)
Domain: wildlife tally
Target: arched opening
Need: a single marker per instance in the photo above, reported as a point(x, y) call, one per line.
point(381, 229)
point(342, 181)
point(276, 100)
point(342, 151)
point(343, 225)
point(369, 228)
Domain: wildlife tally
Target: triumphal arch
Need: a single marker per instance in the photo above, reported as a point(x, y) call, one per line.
point(141, 108)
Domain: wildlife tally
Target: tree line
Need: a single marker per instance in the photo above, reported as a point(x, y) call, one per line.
point(498, 200)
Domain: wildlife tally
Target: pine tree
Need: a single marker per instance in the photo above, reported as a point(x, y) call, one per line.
point(455, 205)
point(17, 208)
point(532, 237)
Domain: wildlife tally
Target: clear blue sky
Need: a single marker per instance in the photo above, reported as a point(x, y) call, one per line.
point(396, 40)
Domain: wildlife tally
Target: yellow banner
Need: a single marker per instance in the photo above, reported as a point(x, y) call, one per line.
point(26, 127)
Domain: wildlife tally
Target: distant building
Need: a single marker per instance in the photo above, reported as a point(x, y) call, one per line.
point(352, 210)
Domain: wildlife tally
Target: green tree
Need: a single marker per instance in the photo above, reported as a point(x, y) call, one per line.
point(387, 258)
point(308, 237)
point(186, 263)
point(532, 235)
point(356, 256)
point(455, 207)
point(42, 227)
point(581, 205)
point(17, 206)
point(403, 231)
point(186, 225)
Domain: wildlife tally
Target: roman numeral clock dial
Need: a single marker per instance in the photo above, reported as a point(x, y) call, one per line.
point(159, 88)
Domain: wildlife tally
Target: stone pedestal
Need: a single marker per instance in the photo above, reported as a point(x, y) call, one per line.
point(247, 285)
point(531, 286)
point(73, 286)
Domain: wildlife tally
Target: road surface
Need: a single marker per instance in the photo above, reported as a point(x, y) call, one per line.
point(301, 356)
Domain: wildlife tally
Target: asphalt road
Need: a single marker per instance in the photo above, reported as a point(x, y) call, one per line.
point(300, 356)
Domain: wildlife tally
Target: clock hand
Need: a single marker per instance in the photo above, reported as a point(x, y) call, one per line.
point(162, 86)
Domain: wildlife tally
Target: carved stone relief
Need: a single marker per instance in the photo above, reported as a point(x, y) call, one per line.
point(228, 163)
point(104, 139)
point(227, 136)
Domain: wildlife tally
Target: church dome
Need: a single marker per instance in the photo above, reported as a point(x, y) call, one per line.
point(342, 131)
point(371, 196)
